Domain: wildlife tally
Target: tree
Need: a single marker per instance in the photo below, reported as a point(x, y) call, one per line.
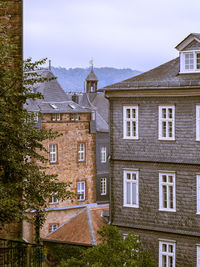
point(24, 184)
point(114, 250)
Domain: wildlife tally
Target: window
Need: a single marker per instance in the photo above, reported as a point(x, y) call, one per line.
point(103, 186)
point(75, 117)
point(53, 199)
point(167, 198)
point(166, 122)
point(103, 154)
point(198, 194)
point(131, 185)
point(53, 153)
point(198, 256)
point(81, 152)
point(190, 61)
point(53, 227)
point(198, 122)
point(130, 122)
point(167, 254)
point(55, 117)
point(81, 191)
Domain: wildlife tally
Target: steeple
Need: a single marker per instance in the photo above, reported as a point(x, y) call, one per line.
point(91, 80)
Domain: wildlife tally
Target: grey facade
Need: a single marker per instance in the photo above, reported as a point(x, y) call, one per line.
point(151, 157)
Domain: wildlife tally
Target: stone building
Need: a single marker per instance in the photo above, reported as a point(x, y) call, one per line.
point(72, 156)
point(100, 107)
point(155, 158)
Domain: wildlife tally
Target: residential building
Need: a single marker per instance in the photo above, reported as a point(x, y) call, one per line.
point(155, 158)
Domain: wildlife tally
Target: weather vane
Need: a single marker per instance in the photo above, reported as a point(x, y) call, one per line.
point(91, 62)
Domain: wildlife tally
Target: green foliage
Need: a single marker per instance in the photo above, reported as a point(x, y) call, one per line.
point(114, 250)
point(24, 183)
point(63, 252)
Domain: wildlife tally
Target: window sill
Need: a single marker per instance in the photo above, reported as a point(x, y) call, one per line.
point(53, 163)
point(81, 200)
point(52, 203)
point(167, 210)
point(131, 206)
point(131, 138)
point(166, 139)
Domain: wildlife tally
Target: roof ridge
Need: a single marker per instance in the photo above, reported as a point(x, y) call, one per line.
point(91, 229)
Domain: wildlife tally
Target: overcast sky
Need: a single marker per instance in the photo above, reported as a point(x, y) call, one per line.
point(137, 34)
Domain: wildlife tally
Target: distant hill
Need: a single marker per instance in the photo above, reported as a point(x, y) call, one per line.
point(73, 80)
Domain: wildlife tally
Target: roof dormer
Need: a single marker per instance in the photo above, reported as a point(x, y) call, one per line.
point(189, 50)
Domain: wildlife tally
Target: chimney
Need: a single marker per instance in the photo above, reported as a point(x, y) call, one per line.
point(75, 98)
point(50, 65)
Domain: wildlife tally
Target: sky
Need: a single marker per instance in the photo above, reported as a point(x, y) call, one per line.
point(136, 34)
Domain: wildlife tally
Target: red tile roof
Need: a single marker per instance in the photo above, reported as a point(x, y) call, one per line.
point(81, 229)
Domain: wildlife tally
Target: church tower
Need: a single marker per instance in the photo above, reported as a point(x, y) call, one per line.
point(91, 81)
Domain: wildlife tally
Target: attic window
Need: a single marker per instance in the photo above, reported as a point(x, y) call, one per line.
point(53, 106)
point(71, 106)
point(190, 62)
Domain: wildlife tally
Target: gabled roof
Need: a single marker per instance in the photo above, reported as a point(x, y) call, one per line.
point(191, 37)
point(81, 229)
point(165, 76)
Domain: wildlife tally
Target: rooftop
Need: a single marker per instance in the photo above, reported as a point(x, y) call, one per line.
point(165, 76)
point(82, 228)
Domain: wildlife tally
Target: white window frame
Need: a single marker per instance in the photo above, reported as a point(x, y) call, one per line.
point(81, 152)
point(198, 193)
point(103, 154)
point(168, 254)
point(198, 255)
point(183, 69)
point(198, 122)
point(53, 153)
point(130, 120)
point(167, 185)
point(53, 198)
point(103, 186)
point(55, 117)
point(131, 173)
point(81, 190)
point(166, 120)
point(53, 227)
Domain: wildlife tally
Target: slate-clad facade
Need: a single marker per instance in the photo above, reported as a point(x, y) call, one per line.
point(155, 163)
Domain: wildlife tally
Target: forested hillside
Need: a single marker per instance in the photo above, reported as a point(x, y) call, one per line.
point(73, 80)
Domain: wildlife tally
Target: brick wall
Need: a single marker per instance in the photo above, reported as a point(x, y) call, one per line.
point(11, 20)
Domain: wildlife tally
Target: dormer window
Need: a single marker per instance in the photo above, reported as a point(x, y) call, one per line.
point(189, 50)
point(190, 62)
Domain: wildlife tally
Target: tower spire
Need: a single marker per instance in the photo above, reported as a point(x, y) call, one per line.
point(91, 80)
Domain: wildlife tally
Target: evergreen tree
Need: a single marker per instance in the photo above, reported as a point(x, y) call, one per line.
point(24, 183)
